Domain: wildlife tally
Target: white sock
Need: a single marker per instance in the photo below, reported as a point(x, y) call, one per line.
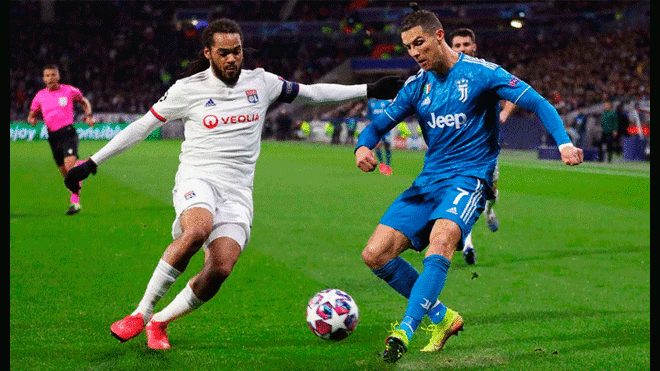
point(162, 279)
point(468, 242)
point(183, 304)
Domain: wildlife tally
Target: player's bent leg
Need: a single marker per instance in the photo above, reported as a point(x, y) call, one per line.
point(385, 244)
point(196, 226)
point(221, 256)
point(444, 238)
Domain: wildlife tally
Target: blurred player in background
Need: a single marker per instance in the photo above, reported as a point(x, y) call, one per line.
point(463, 40)
point(351, 122)
point(456, 99)
point(55, 105)
point(376, 107)
point(223, 108)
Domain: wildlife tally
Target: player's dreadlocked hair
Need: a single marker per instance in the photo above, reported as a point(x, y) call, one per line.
point(428, 20)
point(222, 25)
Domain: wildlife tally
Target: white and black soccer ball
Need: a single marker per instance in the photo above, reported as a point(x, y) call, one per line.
point(332, 314)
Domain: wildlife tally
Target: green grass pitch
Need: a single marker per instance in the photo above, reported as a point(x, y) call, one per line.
point(563, 285)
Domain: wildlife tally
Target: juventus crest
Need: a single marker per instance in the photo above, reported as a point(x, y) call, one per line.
point(462, 86)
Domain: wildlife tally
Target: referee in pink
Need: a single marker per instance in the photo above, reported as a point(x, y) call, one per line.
point(55, 105)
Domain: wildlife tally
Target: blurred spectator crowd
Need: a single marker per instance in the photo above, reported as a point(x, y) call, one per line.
point(123, 55)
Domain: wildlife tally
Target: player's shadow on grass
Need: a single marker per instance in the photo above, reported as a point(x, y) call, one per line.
point(136, 352)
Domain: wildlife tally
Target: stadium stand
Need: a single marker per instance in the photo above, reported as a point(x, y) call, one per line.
point(124, 54)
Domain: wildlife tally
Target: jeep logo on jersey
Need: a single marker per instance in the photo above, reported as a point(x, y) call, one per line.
point(453, 119)
point(252, 96)
point(462, 85)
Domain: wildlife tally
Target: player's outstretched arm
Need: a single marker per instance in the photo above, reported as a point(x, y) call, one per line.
point(534, 102)
point(385, 88)
point(127, 138)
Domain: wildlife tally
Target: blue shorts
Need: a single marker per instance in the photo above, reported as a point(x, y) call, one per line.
point(460, 199)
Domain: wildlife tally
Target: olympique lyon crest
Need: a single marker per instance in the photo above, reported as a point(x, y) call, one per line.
point(252, 96)
point(462, 85)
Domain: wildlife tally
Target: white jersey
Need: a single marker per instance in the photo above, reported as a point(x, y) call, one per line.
point(222, 124)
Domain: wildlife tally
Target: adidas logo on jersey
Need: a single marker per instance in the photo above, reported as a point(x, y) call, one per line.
point(426, 101)
point(210, 103)
point(452, 211)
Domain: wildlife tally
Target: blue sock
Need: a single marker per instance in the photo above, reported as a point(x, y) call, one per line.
point(425, 291)
point(388, 157)
point(409, 325)
point(379, 154)
point(399, 274)
point(437, 313)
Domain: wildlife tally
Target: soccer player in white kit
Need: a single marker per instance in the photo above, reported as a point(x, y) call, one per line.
point(223, 108)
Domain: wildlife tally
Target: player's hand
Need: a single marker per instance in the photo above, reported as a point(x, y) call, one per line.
point(385, 88)
point(89, 120)
point(365, 159)
point(79, 173)
point(572, 155)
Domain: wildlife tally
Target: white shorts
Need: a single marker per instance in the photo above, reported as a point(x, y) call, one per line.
point(231, 206)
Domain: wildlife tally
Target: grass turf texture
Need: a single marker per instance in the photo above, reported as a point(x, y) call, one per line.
point(563, 285)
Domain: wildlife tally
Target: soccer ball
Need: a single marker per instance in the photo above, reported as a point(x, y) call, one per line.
point(332, 314)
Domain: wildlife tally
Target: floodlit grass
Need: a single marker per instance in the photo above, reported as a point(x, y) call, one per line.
point(563, 285)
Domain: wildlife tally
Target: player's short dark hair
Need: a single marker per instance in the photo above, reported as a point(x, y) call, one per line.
point(50, 67)
point(464, 32)
point(222, 25)
point(420, 17)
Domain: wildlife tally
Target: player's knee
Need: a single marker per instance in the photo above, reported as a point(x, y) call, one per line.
point(218, 272)
point(373, 258)
point(196, 234)
point(443, 245)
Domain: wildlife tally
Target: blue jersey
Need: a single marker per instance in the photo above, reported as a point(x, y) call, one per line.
point(458, 113)
point(375, 107)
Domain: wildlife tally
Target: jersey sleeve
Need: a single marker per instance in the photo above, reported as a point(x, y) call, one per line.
point(509, 87)
point(76, 95)
point(36, 103)
point(137, 131)
point(172, 105)
point(279, 89)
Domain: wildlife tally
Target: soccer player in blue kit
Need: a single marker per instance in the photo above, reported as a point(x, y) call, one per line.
point(374, 108)
point(456, 100)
